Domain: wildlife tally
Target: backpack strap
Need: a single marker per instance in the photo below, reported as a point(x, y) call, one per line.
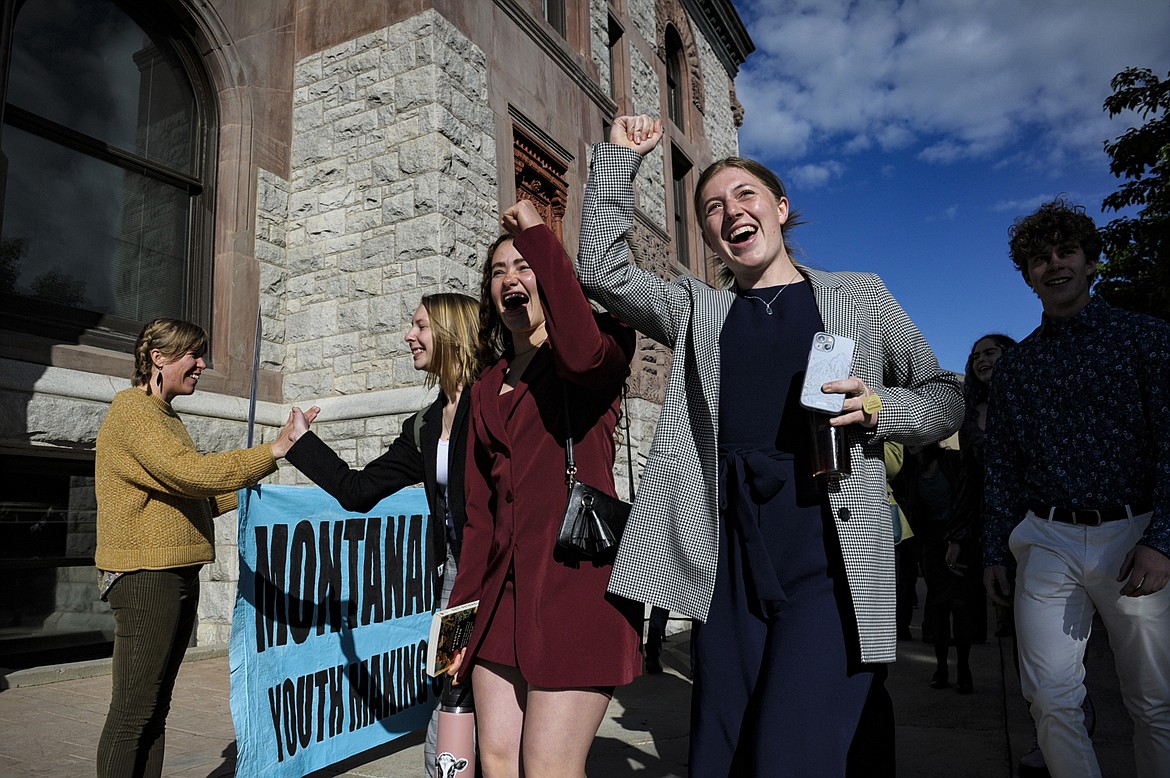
point(418, 425)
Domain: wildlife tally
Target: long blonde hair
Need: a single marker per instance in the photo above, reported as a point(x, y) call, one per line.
point(455, 326)
point(173, 337)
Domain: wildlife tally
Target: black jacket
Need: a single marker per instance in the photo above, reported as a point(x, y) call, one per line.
point(405, 462)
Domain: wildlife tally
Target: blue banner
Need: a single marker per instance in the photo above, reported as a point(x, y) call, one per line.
point(329, 634)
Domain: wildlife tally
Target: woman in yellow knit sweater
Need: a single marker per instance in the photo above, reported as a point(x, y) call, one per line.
point(156, 498)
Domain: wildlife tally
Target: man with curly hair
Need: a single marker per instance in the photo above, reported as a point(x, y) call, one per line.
point(1078, 491)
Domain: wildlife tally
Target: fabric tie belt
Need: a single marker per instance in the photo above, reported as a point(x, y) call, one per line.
point(1090, 517)
point(751, 477)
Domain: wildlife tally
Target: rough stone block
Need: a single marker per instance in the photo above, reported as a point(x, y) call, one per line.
point(423, 236)
point(326, 225)
point(399, 207)
point(316, 383)
point(326, 174)
point(307, 71)
point(359, 174)
point(350, 261)
point(272, 356)
point(364, 61)
point(366, 283)
point(345, 343)
point(303, 259)
point(379, 250)
point(338, 197)
point(421, 86)
point(338, 54)
point(308, 356)
point(354, 383)
point(338, 112)
point(308, 117)
point(311, 148)
point(424, 154)
point(359, 220)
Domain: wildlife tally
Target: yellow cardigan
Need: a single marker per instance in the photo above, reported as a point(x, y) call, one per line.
point(156, 495)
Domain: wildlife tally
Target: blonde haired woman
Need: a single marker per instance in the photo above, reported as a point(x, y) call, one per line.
point(431, 448)
point(156, 496)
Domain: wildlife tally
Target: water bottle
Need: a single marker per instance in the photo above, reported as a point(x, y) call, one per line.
point(455, 746)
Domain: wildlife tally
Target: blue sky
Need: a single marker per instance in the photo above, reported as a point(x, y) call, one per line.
point(911, 134)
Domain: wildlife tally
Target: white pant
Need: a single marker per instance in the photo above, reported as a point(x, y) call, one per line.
point(1065, 574)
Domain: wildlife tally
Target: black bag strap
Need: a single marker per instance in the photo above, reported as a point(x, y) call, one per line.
point(570, 460)
point(629, 454)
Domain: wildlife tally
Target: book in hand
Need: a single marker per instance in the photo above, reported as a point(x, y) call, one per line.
point(450, 631)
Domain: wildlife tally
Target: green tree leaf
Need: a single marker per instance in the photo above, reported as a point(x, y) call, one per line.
point(1135, 269)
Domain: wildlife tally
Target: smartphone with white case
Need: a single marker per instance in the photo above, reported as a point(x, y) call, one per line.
point(829, 359)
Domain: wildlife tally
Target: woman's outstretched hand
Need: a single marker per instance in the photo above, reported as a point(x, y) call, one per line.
point(520, 217)
point(297, 425)
point(640, 133)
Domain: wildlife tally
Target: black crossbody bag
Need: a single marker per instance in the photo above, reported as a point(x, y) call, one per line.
point(594, 521)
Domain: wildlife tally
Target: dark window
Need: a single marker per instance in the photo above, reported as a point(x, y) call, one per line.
point(49, 609)
point(681, 168)
point(675, 101)
point(615, 39)
point(104, 139)
point(554, 13)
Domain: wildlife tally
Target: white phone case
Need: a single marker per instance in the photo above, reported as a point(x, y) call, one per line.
point(829, 359)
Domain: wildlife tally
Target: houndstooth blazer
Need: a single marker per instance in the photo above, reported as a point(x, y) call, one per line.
point(669, 551)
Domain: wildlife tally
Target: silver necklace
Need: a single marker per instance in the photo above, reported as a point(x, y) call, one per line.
point(768, 303)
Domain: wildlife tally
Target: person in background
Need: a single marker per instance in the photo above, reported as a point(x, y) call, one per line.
point(432, 447)
point(906, 551)
point(794, 580)
point(934, 473)
point(549, 645)
point(1077, 491)
point(965, 534)
point(156, 497)
point(655, 634)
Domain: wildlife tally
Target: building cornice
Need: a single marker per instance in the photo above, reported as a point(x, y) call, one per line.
point(721, 26)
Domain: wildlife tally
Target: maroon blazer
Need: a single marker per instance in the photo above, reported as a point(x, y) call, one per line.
point(569, 631)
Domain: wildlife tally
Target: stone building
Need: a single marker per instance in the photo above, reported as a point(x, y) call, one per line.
point(293, 175)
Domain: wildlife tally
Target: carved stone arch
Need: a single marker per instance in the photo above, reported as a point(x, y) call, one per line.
point(670, 13)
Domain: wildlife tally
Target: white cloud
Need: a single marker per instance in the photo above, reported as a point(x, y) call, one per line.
point(953, 79)
point(814, 176)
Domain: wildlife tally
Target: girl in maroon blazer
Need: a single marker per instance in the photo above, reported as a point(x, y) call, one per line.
point(549, 644)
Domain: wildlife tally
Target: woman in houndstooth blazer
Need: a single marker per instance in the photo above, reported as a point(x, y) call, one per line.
point(794, 581)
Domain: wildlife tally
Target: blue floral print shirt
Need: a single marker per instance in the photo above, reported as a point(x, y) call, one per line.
point(1079, 417)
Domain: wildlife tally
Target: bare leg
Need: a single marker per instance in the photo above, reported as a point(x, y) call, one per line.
point(559, 729)
point(500, 695)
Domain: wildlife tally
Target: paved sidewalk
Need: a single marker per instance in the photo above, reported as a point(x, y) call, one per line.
point(50, 726)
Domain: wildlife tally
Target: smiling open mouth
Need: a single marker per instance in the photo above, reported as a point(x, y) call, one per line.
point(740, 234)
point(515, 300)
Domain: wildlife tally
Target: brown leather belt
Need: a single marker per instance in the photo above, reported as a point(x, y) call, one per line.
point(1089, 517)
